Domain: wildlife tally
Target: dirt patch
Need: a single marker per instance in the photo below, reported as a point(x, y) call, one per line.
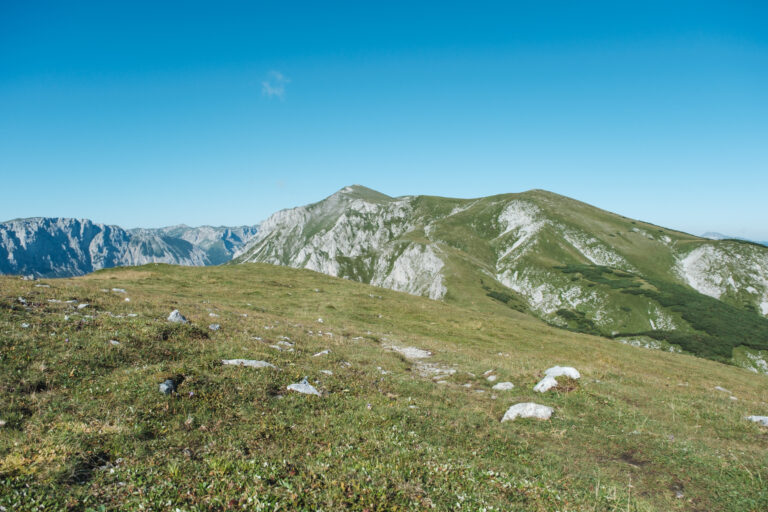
point(632, 458)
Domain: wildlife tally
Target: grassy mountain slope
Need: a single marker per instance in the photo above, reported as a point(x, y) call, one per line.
point(567, 262)
point(85, 426)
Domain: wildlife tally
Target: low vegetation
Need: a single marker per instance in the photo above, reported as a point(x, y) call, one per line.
point(85, 426)
point(715, 327)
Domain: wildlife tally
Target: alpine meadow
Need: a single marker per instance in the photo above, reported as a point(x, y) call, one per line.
point(383, 256)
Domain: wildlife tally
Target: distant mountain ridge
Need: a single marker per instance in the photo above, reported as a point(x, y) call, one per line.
point(569, 263)
point(63, 247)
point(714, 235)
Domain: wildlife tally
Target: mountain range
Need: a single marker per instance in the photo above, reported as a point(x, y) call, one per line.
point(537, 253)
point(570, 264)
point(714, 235)
point(63, 247)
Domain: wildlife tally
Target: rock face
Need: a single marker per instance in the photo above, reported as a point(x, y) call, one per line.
point(527, 410)
point(569, 263)
point(61, 247)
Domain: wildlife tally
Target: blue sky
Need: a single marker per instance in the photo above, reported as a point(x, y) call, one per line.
point(157, 113)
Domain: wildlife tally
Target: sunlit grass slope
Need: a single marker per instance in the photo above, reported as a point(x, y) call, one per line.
point(85, 427)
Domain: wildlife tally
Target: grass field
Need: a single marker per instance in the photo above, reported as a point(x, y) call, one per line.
point(85, 427)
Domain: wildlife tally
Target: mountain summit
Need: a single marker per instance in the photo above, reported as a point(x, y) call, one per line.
point(571, 264)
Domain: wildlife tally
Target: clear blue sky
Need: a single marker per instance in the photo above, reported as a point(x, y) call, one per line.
point(155, 113)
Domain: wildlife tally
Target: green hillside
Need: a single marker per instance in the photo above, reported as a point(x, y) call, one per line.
point(84, 426)
point(571, 264)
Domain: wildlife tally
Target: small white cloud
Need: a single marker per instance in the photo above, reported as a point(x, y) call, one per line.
point(274, 85)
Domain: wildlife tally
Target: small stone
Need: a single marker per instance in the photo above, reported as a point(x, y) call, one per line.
point(114, 342)
point(558, 371)
point(503, 386)
point(167, 387)
point(760, 420)
point(718, 388)
point(214, 327)
point(326, 372)
point(304, 387)
point(545, 384)
point(177, 317)
point(252, 363)
point(527, 410)
point(322, 353)
point(491, 378)
point(410, 352)
point(213, 315)
point(119, 290)
point(319, 320)
point(83, 305)
point(25, 325)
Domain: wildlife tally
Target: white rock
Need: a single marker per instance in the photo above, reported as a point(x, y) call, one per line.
point(503, 386)
point(319, 320)
point(304, 387)
point(557, 371)
point(545, 384)
point(252, 363)
point(119, 290)
point(82, 306)
point(491, 378)
point(718, 388)
point(527, 410)
point(214, 327)
point(114, 342)
point(213, 315)
point(127, 299)
point(326, 372)
point(24, 325)
point(177, 317)
point(411, 352)
point(322, 353)
point(761, 420)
